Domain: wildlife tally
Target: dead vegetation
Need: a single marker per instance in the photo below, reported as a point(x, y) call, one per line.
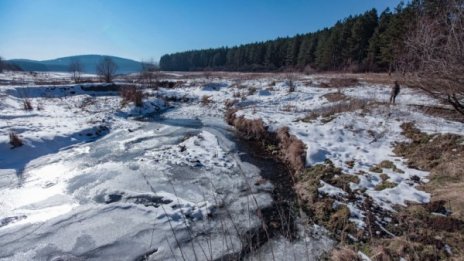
point(424, 236)
point(252, 90)
point(321, 208)
point(335, 96)
point(344, 254)
point(15, 141)
point(340, 82)
point(419, 233)
point(386, 164)
point(131, 94)
point(290, 149)
point(329, 112)
point(434, 231)
point(229, 103)
point(385, 184)
point(27, 105)
point(293, 150)
point(168, 84)
point(415, 233)
point(443, 156)
point(249, 129)
point(433, 56)
point(445, 113)
point(291, 86)
point(288, 108)
point(206, 100)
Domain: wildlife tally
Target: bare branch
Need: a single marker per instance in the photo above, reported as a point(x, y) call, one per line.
point(106, 69)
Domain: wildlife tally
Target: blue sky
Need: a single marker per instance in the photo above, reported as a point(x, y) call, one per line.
point(144, 29)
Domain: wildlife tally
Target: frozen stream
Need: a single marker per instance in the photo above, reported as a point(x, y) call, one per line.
point(166, 190)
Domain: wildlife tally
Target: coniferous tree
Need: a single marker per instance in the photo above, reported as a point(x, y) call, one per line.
point(364, 42)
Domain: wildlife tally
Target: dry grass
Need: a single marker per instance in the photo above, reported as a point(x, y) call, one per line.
point(423, 236)
point(237, 95)
point(291, 86)
point(168, 84)
point(308, 182)
point(386, 164)
point(335, 96)
point(446, 113)
point(249, 129)
point(420, 234)
point(339, 220)
point(15, 141)
point(293, 149)
point(340, 82)
point(252, 90)
point(288, 108)
point(328, 113)
point(371, 78)
point(344, 254)
point(131, 94)
point(228, 103)
point(441, 154)
point(385, 184)
point(343, 181)
point(27, 105)
point(206, 100)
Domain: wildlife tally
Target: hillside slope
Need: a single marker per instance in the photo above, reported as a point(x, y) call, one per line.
point(89, 63)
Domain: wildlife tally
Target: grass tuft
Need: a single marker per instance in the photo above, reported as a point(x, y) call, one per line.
point(15, 141)
point(131, 94)
point(27, 105)
point(206, 100)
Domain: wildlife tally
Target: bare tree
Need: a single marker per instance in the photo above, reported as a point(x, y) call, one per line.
point(434, 57)
point(106, 69)
point(149, 74)
point(75, 68)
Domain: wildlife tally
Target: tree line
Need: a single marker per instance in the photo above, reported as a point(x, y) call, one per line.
point(5, 66)
point(365, 42)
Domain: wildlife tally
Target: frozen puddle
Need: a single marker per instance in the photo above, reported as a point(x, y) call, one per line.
point(162, 191)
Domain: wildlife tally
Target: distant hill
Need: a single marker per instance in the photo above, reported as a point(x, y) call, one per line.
point(89, 63)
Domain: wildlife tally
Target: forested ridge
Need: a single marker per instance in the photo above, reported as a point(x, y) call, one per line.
point(365, 42)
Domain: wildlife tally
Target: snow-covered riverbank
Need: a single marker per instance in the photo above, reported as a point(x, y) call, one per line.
point(96, 180)
point(92, 183)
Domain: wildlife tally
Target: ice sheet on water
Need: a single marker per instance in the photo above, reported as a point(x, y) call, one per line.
point(119, 198)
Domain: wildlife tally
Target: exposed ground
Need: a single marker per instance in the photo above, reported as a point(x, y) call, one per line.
point(386, 181)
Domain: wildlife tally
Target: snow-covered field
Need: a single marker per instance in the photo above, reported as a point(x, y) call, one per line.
point(364, 137)
point(91, 181)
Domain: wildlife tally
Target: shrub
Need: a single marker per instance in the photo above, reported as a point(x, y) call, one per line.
point(291, 86)
point(15, 141)
point(250, 129)
point(205, 100)
point(340, 82)
point(39, 106)
point(27, 105)
point(230, 103)
point(294, 150)
point(251, 90)
point(131, 94)
point(329, 112)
